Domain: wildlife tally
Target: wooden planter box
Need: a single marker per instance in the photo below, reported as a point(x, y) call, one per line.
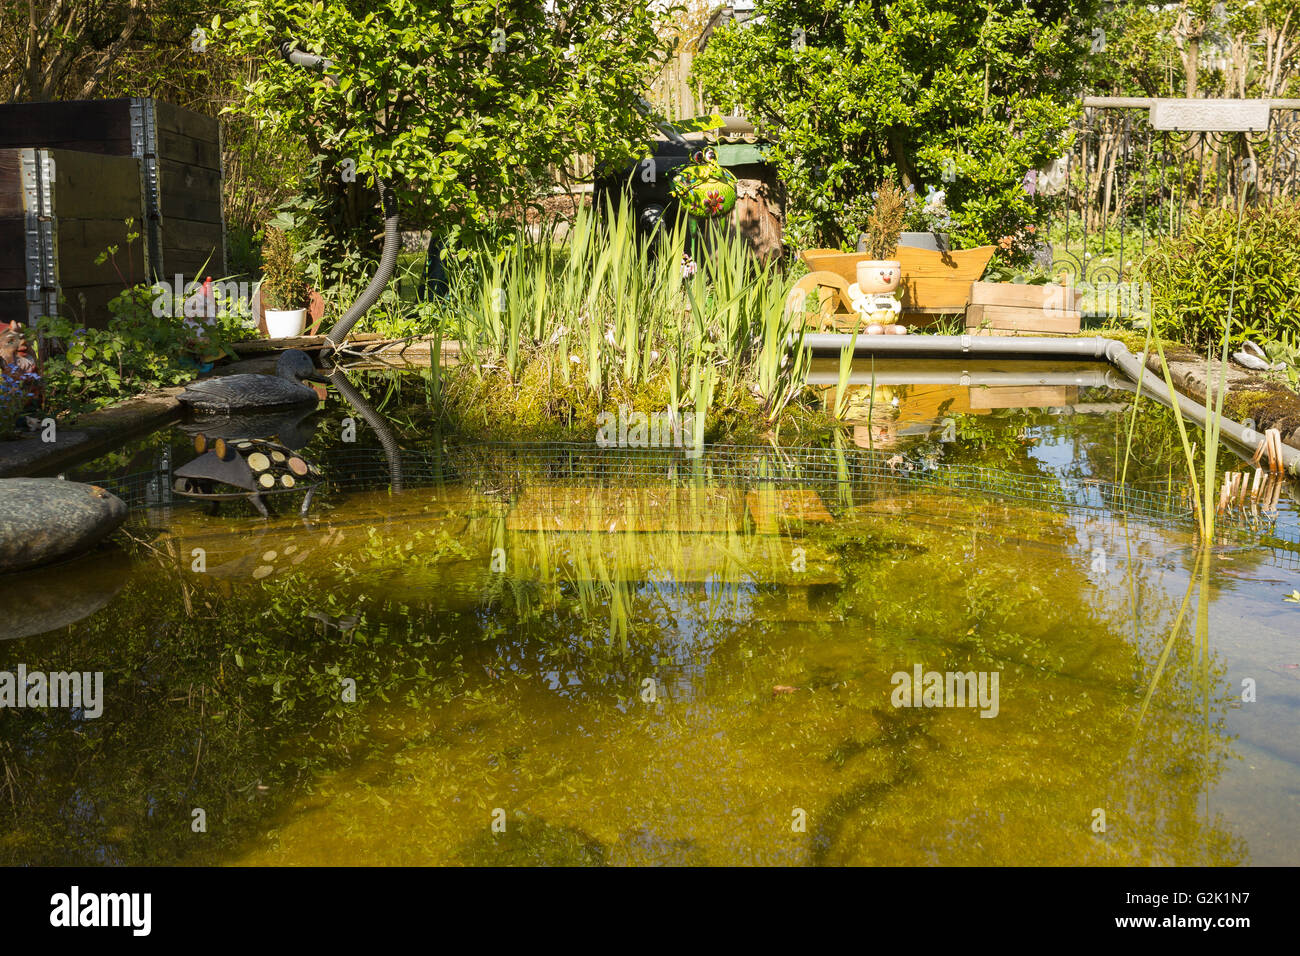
point(59, 209)
point(178, 155)
point(1009, 308)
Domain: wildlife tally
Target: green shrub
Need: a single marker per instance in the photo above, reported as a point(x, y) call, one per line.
point(943, 94)
point(84, 369)
point(1192, 278)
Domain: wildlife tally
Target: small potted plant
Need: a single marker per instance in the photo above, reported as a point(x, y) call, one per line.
point(881, 274)
point(283, 291)
point(927, 221)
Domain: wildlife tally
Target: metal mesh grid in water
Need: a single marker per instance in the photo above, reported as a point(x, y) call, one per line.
point(839, 475)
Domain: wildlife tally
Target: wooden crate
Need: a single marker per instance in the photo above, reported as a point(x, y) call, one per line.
point(179, 155)
point(59, 210)
point(1010, 308)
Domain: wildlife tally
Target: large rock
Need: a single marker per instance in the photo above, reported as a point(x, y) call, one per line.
point(44, 519)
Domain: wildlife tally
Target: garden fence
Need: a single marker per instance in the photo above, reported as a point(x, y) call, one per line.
point(1125, 183)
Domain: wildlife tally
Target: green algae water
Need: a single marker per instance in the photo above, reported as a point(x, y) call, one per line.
point(561, 655)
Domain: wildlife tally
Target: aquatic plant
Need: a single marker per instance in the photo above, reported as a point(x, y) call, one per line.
point(608, 316)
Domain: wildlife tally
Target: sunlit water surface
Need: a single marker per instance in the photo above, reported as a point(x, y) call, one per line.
point(565, 655)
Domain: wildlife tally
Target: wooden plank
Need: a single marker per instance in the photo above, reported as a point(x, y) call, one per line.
point(933, 296)
point(89, 125)
point(177, 119)
point(1023, 396)
point(1000, 318)
point(11, 184)
point(13, 305)
point(190, 247)
point(1050, 297)
point(80, 242)
point(13, 252)
point(94, 186)
point(88, 305)
point(189, 192)
point(1206, 115)
point(187, 150)
point(187, 234)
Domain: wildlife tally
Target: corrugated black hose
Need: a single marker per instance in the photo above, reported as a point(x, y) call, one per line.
point(382, 427)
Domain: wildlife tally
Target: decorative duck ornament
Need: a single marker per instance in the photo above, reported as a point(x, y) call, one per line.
point(286, 388)
point(1252, 356)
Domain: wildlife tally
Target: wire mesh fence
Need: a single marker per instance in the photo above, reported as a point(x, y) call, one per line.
point(844, 478)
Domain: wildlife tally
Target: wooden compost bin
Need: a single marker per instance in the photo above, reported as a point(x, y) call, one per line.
point(179, 158)
point(59, 210)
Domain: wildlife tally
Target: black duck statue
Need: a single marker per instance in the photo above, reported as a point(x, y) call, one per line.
point(286, 388)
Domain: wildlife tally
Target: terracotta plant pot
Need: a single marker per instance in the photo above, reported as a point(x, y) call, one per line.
point(285, 323)
point(878, 276)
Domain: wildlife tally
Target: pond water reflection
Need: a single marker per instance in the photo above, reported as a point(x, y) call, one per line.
point(631, 657)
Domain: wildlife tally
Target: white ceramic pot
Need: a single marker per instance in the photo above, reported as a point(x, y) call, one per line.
point(285, 323)
point(878, 276)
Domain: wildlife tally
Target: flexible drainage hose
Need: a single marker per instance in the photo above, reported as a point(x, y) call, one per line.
point(1027, 347)
point(387, 264)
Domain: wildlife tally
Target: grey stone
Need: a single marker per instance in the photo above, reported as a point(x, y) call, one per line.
point(937, 241)
point(45, 519)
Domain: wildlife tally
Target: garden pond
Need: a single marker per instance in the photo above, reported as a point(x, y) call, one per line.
point(532, 653)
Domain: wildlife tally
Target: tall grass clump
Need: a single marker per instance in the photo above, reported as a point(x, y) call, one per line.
point(1245, 259)
point(553, 334)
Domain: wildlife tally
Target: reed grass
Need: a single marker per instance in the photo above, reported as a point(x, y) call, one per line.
point(1202, 494)
point(606, 318)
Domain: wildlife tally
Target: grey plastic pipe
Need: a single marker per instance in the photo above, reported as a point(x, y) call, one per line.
point(1028, 347)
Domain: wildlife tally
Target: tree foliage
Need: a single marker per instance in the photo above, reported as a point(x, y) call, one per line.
point(938, 93)
point(462, 104)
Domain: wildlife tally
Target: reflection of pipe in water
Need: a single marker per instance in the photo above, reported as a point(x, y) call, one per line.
point(1032, 347)
point(1104, 378)
point(381, 426)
